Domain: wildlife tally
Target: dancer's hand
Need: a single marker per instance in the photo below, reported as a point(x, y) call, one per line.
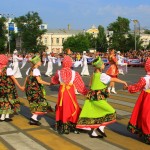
point(125, 87)
point(22, 88)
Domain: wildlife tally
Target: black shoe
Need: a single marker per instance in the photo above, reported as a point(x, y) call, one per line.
point(8, 119)
point(102, 133)
point(2, 120)
point(99, 136)
point(34, 122)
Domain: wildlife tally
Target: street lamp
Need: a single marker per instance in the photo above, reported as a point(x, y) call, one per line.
point(135, 23)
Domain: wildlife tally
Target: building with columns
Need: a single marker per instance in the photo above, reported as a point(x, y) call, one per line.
point(54, 39)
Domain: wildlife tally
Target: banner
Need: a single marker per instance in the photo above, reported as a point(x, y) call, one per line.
point(11, 26)
point(133, 62)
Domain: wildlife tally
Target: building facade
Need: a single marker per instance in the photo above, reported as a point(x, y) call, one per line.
point(53, 39)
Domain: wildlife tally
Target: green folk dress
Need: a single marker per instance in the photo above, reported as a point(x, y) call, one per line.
point(96, 110)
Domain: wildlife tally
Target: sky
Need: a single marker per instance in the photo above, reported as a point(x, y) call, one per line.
point(80, 14)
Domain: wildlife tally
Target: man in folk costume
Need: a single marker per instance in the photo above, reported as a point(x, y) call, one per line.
point(67, 109)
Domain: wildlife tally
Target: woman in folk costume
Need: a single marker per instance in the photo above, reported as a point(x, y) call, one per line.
point(140, 119)
point(112, 70)
point(35, 91)
point(96, 112)
point(122, 66)
point(9, 102)
point(67, 109)
point(51, 60)
point(85, 70)
point(16, 70)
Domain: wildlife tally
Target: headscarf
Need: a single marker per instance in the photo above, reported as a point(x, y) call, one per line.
point(35, 59)
point(147, 66)
point(3, 61)
point(66, 72)
point(67, 62)
point(97, 62)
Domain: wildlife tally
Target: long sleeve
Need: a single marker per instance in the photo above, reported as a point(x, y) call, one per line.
point(79, 84)
point(55, 79)
point(137, 86)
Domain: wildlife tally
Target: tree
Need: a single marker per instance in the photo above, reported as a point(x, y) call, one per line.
point(130, 42)
point(3, 37)
point(147, 31)
point(101, 44)
point(78, 43)
point(120, 30)
point(30, 32)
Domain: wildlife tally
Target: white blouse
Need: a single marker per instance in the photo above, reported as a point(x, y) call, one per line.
point(105, 78)
point(9, 72)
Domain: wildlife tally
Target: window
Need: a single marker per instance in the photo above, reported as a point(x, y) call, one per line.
point(57, 40)
point(45, 40)
point(52, 40)
point(63, 40)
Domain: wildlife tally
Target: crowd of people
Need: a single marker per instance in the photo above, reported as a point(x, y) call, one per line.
point(96, 112)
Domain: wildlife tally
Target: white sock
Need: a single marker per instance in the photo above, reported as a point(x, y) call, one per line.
point(94, 133)
point(102, 128)
point(3, 117)
point(7, 115)
point(34, 116)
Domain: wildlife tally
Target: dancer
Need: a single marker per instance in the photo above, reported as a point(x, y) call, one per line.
point(51, 59)
point(96, 112)
point(140, 119)
point(122, 66)
point(16, 70)
point(35, 91)
point(85, 70)
point(67, 109)
point(112, 70)
point(9, 102)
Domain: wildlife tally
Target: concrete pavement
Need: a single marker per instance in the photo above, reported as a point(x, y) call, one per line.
point(19, 135)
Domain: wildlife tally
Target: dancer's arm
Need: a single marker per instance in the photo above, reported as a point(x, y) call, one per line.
point(17, 83)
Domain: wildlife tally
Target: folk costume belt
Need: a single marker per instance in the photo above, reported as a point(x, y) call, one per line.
point(67, 87)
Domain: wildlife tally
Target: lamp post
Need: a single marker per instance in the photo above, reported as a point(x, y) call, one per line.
point(135, 23)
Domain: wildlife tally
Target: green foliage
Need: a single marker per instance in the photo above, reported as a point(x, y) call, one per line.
point(28, 27)
point(78, 43)
point(13, 36)
point(121, 39)
point(101, 44)
point(3, 38)
point(147, 31)
point(120, 28)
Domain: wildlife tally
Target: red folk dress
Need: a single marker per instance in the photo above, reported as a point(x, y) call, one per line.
point(67, 109)
point(140, 119)
point(113, 69)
